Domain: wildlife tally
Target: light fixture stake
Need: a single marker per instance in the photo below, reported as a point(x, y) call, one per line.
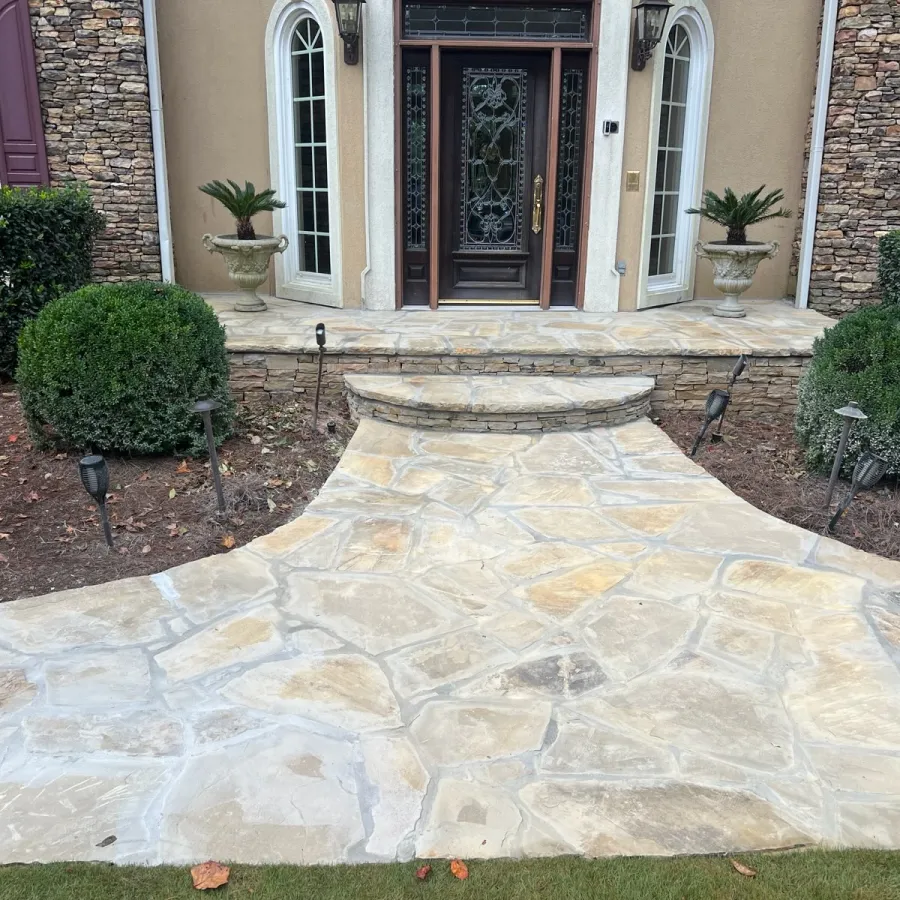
point(736, 373)
point(320, 340)
point(95, 478)
point(204, 408)
point(869, 470)
point(850, 413)
point(716, 406)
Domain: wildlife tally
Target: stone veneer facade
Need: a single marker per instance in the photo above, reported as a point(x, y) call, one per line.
point(860, 193)
point(92, 77)
point(682, 382)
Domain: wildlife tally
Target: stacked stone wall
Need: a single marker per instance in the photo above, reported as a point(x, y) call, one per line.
point(92, 78)
point(860, 193)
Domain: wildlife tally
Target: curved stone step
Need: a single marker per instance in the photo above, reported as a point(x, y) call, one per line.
point(500, 402)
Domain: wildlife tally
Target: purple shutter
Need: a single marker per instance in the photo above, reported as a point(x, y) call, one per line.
point(23, 155)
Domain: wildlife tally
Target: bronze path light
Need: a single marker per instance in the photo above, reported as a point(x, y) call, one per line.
point(716, 404)
point(870, 469)
point(850, 413)
point(95, 478)
point(649, 24)
point(205, 409)
point(320, 340)
point(736, 373)
point(349, 21)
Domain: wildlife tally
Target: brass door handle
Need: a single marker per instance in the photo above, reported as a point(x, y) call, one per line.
point(537, 204)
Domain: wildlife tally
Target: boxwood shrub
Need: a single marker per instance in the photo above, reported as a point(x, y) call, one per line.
point(46, 243)
point(889, 267)
point(858, 359)
point(117, 367)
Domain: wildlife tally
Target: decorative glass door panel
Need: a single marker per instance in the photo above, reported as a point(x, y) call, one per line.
point(494, 113)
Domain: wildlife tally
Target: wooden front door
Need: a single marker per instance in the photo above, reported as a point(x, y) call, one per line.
point(493, 159)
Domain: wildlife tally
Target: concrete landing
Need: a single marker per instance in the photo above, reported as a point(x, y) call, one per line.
point(500, 402)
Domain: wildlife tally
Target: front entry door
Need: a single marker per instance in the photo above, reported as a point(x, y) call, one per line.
point(493, 163)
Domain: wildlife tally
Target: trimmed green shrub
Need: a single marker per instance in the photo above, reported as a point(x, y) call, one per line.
point(117, 367)
point(46, 243)
point(889, 267)
point(858, 359)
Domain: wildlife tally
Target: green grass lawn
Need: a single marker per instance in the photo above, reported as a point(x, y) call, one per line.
point(815, 875)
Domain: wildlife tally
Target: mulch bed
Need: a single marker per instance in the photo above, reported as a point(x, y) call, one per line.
point(763, 463)
point(162, 509)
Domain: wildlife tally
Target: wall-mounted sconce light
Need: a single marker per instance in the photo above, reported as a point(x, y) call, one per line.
point(649, 24)
point(349, 20)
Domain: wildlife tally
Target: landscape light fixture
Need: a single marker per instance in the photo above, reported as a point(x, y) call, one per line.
point(716, 404)
point(850, 413)
point(349, 22)
point(320, 340)
point(205, 408)
point(95, 478)
point(869, 470)
point(649, 24)
point(736, 373)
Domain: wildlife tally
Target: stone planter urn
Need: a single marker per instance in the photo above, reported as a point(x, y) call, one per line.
point(248, 264)
point(734, 266)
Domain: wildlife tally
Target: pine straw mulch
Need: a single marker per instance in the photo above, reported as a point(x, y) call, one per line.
point(763, 463)
point(163, 509)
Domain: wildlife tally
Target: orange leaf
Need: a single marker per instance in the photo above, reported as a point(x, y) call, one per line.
point(423, 872)
point(12, 439)
point(228, 541)
point(746, 871)
point(209, 875)
point(183, 469)
point(459, 869)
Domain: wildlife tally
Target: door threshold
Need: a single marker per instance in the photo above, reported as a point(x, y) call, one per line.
point(525, 304)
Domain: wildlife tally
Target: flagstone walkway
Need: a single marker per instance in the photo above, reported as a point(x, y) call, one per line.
point(470, 645)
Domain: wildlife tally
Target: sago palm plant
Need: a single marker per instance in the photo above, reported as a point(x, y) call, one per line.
point(737, 214)
point(243, 203)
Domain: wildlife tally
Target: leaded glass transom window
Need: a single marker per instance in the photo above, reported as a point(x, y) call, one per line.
point(568, 176)
point(311, 148)
point(421, 20)
point(493, 170)
point(416, 167)
point(667, 201)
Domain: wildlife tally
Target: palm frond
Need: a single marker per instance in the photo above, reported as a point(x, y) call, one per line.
point(737, 214)
point(243, 203)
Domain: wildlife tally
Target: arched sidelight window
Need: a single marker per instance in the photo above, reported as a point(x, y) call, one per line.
point(311, 145)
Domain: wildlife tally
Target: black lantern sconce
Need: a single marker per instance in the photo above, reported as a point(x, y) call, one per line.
point(95, 478)
point(716, 404)
point(649, 24)
point(349, 21)
point(870, 469)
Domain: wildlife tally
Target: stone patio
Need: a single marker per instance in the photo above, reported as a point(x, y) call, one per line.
point(475, 645)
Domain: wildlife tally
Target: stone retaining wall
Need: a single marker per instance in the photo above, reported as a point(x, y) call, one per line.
point(769, 386)
point(92, 79)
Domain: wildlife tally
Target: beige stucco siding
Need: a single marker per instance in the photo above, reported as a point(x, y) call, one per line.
point(213, 64)
point(762, 88)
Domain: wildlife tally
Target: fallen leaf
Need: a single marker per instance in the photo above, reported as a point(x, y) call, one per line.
point(172, 494)
point(423, 872)
point(12, 439)
point(3, 558)
point(209, 875)
point(228, 541)
point(255, 439)
point(144, 476)
point(459, 869)
point(739, 867)
point(183, 469)
point(4, 536)
point(33, 497)
point(146, 549)
point(271, 503)
point(107, 841)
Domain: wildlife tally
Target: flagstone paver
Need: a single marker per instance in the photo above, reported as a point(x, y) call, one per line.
point(470, 645)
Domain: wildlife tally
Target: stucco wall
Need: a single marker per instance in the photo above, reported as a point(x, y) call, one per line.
point(212, 58)
point(763, 83)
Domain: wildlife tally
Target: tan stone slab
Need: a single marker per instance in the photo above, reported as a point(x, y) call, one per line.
point(59, 812)
point(469, 820)
point(219, 584)
point(515, 629)
point(545, 490)
point(888, 624)
point(641, 437)
point(16, 690)
point(376, 545)
point(290, 536)
point(288, 799)
point(451, 733)
point(800, 585)
point(393, 768)
point(674, 573)
point(771, 614)
point(562, 595)
point(145, 733)
point(417, 480)
point(662, 465)
point(609, 819)
point(559, 676)
point(847, 769)
point(543, 559)
point(870, 825)
point(111, 615)
point(244, 638)
point(101, 678)
point(739, 722)
point(447, 659)
point(566, 454)
point(454, 543)
point(487, 449)
point(374, 469)
point(346, 691)
point(835, 555)
point(686, 490)
point(650, 520)
point(470, 587)
point(633, 634)
point(382, 439)
point(569, 525)
point(218, 726)
point(746, 646)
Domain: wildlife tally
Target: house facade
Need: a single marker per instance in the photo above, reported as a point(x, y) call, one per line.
point(511, 152)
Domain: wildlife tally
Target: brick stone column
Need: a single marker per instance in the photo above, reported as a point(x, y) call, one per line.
point(92, 76)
